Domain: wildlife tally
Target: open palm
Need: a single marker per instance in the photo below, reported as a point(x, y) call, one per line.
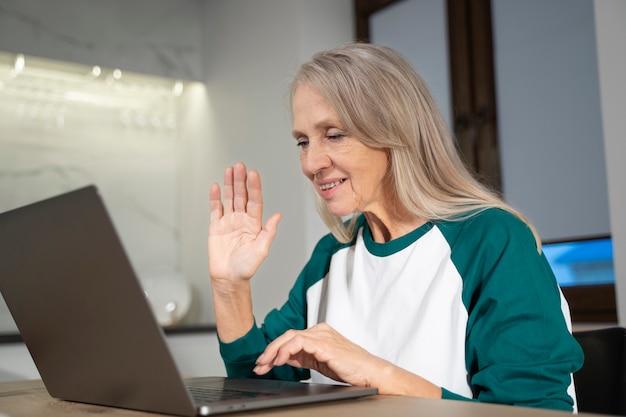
point(238, 240)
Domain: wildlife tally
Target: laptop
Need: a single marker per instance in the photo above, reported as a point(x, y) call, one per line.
point(88, 326)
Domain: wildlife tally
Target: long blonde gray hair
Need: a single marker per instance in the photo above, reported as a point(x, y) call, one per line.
point(382, 100)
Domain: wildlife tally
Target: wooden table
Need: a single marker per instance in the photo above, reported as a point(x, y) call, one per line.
point(30, 399)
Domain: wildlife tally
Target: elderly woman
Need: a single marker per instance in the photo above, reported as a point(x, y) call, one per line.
point(427, 285)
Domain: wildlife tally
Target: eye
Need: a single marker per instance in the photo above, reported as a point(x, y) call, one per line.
point(336, 135)
point(302, 143)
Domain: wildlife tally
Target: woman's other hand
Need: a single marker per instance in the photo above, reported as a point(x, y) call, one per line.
point(325, 350)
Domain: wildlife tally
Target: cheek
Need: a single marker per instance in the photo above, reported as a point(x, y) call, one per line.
point(376, 176)
point(364, 184)
point(376, 165)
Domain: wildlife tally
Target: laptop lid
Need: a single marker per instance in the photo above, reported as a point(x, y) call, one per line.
point(83, 316)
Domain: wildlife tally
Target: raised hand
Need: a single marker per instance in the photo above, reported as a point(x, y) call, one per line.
point(238, 240)
point(238, 243)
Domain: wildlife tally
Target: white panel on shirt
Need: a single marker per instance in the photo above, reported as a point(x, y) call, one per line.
point(405, 308)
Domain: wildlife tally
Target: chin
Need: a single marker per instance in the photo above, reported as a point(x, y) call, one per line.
point(339, 212)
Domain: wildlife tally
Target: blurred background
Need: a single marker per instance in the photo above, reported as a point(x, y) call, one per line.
point(151, 99)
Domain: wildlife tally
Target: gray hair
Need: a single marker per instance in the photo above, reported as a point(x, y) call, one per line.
point(383, 101)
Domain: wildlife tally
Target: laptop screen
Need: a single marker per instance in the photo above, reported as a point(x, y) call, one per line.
point(581, 261)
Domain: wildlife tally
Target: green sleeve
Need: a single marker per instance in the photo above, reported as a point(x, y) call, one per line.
point(519, 349)
point(448, 395)
point(240, 355)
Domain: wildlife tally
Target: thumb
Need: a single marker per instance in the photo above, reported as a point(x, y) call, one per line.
point(267, 234)
point(271, 225)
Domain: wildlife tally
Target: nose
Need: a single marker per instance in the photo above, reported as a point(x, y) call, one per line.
point(314, 159)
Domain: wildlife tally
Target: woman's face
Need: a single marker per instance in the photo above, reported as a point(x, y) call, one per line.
point(346, 173)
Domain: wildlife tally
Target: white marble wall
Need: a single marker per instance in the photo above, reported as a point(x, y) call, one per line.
point(158, 37)
point(51, 146)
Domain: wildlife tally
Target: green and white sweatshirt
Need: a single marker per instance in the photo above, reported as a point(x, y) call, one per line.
point(469, 305)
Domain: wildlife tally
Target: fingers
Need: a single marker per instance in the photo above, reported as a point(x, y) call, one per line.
point(215, 200)
point(237, 234)
point(320, 348)
point(298, 348)
point(284, 346)
point(237, 185)
point(229, 180)
point(255, 200)
point(240, 187)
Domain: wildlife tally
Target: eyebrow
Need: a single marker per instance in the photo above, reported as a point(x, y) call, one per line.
point(322, 124)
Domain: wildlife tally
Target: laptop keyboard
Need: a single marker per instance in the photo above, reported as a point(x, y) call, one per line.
point(207, 395)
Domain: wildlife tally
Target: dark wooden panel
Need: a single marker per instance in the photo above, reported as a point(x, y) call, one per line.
point(592, 303)
point(472, 83)
point(363, 9)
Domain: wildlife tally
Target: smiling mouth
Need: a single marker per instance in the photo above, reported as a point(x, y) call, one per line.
point(330, 185)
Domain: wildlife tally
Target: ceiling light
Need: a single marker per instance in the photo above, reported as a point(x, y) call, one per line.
point(178, 88)
point(20, 63)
